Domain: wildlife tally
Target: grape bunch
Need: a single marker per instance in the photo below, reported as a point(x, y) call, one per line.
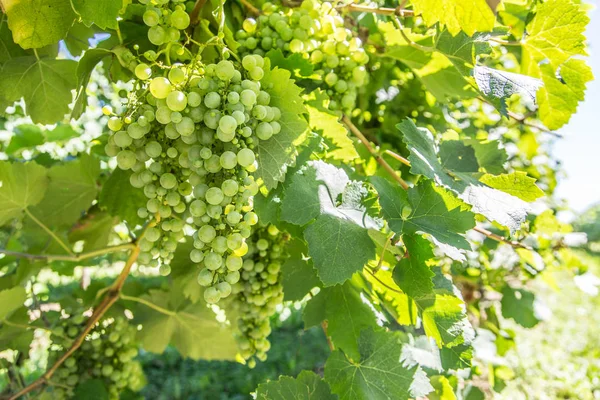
point(190, 142)
point(316, 31)
point(107, 354)
point(259, 292)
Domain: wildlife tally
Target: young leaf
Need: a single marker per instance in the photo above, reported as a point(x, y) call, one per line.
point(21, 186)
point(44, 84)
point(38, 23)
point(307, 386)
point(469, 16)
point(412, 274)
point(279, 152)
point(378, 375)
point(516, 183)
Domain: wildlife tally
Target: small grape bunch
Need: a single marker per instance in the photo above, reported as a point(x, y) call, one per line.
point(107, 353)
point(316, 31)
point(259, 292)
point(166, 20)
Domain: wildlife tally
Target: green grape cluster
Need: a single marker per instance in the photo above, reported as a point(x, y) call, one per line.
point(259, 292)
point(316, 31)
point(107, 353)
point(166, 20)
point(190, 142)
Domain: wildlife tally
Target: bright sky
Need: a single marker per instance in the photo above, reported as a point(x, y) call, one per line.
point(579, 151)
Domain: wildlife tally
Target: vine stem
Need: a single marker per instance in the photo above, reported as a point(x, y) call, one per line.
point(356, 132)
point(398, 157)
point(250, 7)
point(402, 183)
point(502, 239)
point(75, 257)
point(147, 303)
point(48, 231)
point(99, 311)
point(398, 11)
point(195, 14)
point(329, 342)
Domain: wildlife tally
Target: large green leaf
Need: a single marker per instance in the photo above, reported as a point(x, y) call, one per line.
point(71, 190)
point(378, 375)
point(469, 16)
point(11, 300)
point(307, 386)
point(44, 84)
point(191, 328)
point(94, 230)
point(38, 23)
point(425, 208)
point(103, 13)
point(516, 183)
point(21, 186)
point(412, 274)
point(120, 199)
point(338, 247)
point(8, 48)
point(279, 152)
point(518, 304)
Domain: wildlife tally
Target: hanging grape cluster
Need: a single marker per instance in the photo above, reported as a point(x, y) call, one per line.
point(316, 31)
point(107, 354)
point(259, 292)
point(189, 137)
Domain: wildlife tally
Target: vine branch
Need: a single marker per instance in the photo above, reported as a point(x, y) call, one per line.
point(195, 14)
point(250, 7)
point(356, 132)
point(502, 239)
point(99, 311)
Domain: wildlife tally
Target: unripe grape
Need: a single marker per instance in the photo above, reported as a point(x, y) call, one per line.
point(143, 71)
point(160, 87)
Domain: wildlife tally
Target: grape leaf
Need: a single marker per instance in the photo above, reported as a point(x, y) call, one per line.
point(44, 84)
point(338, 247)
point(516, 183)
point(298, 275)
point(469, 16)
point(308, 386)
point(91, 389)
point(78, 38)
point(427, 209)
point(8, 48)
point(86, 65)
point(490, 156)
point(558, 98)
point(279, 152)
point(456, 156)
point(71, 190)
point(497, 86)
point(14, 336)
point(103, 13)
point(120, 199)
point(38, 23)
point(555, 34)
point(21, 186)
point(518, 304)
point(94, 229)
point(495, 205)
point(411, 273)
point(26, 136)
point(314, 312)
point(191, 328)
point(330, 127)
point(444, 319)
point(312, 190)
point(463, 49)
point(11, 300)
point(294, 63)
point(378, 375)
point(61, 133)
point(347, 315)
